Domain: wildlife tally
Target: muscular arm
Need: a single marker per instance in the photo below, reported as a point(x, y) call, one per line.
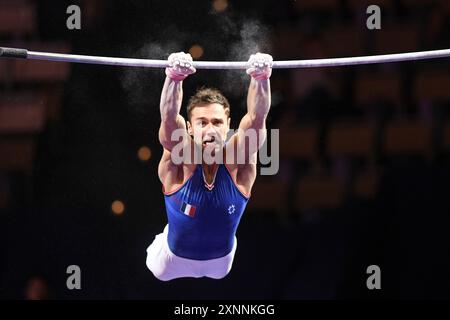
point(252, 127)
point(180, 66)
point(258, 105)
point(170, 105)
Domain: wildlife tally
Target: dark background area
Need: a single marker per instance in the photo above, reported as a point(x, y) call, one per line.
point(364, 173)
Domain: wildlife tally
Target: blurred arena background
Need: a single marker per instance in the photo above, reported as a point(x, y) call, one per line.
point(364, 174)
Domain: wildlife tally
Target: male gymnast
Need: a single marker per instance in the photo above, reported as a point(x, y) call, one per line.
point(205, 200)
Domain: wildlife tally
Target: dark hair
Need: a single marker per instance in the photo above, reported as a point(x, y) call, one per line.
point(206, 95)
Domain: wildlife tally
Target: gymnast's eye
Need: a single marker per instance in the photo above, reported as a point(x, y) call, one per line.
point(218, 123)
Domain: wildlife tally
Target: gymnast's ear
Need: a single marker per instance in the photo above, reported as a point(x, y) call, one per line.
point(189, 128)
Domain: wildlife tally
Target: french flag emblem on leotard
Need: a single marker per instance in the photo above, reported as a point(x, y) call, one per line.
point(188, 209)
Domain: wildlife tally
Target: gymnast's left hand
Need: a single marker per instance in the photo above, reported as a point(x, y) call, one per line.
point(260, 66)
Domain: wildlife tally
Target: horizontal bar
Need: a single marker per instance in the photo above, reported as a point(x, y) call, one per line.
point(13, 53)
point(288, 64)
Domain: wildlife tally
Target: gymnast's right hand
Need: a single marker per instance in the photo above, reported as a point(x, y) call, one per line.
point(180, 66)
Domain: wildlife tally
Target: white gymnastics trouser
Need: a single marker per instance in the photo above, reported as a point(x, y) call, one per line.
point(165, 265)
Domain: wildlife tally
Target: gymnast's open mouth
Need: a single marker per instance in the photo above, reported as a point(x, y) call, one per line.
point(209, 141)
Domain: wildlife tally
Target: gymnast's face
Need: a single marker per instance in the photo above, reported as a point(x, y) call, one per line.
point(210, 123)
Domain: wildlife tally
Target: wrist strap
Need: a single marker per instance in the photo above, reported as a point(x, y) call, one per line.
point(172, 74)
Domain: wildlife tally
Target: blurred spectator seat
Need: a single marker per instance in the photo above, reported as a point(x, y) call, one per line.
point(286, 43)
point(17, 18)
point(319, 193)
point(317, 5)
point(365, 185)
point(4, 71)
point(52, 100)
point(446, 137)
point(357, 4)
point(355, 139)
point(268, 195)
point(4, 197)
point(299, 143)
point(17, 153)
point(420, 3)
point(359, 9)
point(5, 191)
point(396, 39)
point(351, 35)
point(305, 83)
point(432, 86)
point(379, 87)
point(407, 137)
point(21, 113)
point(42, 71)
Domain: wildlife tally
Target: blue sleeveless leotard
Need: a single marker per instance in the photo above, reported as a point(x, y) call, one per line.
point(203, 219)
